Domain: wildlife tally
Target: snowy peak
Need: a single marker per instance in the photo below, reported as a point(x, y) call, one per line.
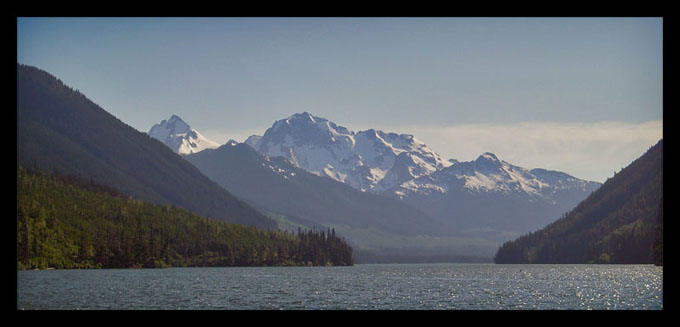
point(301, 120)
point(488, 174)
point(178, 125)
point(305, 128)
point(174, 125)
point(180, 137)
point(359, 159)
point(305, 117)
point(488, 161)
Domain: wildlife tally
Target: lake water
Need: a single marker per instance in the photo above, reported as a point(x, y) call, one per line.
point(361, 287)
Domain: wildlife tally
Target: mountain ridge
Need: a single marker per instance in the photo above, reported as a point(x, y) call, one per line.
point(60, 130)
point(493, 197)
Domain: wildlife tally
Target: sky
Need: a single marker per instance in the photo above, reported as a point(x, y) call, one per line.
point(579, 95)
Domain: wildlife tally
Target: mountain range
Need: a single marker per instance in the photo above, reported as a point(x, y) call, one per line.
point(486, 197)
point(289, 170)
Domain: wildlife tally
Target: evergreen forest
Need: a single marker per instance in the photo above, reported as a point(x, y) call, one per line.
point(621, 223)
point(66, 222)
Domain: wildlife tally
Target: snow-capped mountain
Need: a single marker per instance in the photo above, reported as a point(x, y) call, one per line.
point(492, 196)
point(480, 202)
point(368, 160)
point(487, 198)
point(488, 174)
point(180, 137)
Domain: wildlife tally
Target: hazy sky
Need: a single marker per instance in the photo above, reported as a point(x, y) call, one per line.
point(579, 95)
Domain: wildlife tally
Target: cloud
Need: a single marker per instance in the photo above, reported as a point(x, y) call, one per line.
point(592, 151)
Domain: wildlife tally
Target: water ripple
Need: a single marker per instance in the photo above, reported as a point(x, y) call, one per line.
point(363, 287)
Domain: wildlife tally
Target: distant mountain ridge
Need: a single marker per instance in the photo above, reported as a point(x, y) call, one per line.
point(60, 130)
point(180, 137)
point(489, 174)
point(486, 197)
point(492, 197)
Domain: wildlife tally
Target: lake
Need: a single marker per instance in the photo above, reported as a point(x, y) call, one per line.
point(360, 287)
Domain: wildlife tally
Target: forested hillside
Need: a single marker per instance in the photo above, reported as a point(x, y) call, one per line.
point(67, 222)
point(621, 222)
point(61, 130)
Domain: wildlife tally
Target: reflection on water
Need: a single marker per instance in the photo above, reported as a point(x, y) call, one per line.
point(382, 287)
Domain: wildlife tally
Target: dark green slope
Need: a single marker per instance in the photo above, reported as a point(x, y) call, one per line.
point(65, 222)
point(60, 130)
point(616, 224)
point(278, 186)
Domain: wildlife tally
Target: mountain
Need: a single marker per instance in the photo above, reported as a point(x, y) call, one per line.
point(180, 137)
point(487, 198)
point(60, 130)
point(621, 222)
point(363, 160)
point(370, 222)
point(492, 198)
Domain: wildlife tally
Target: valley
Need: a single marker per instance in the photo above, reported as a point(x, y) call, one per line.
point(388, 193)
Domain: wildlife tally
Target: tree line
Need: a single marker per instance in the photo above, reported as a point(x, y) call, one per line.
point(65, 222)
